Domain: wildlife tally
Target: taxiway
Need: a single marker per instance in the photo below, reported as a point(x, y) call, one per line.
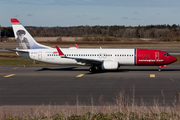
point(37, 85)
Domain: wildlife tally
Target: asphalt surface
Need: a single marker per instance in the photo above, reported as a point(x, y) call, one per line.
point(37, 85)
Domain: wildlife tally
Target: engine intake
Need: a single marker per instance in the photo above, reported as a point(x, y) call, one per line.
point(110, 65)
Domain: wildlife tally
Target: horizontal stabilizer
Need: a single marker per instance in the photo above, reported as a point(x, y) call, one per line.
point(16, 50)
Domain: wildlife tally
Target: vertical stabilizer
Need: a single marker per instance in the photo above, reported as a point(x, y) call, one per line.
point(23, 38)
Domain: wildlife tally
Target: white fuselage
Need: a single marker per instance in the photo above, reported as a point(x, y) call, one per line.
point(122, 56)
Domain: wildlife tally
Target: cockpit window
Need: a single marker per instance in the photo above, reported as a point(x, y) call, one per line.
point(166, 54)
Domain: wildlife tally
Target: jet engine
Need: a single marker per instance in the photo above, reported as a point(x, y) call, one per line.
point(110, 65)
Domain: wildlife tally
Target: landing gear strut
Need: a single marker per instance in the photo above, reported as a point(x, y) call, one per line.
point(159, 68)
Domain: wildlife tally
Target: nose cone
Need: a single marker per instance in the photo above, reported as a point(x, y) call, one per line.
point(173, 59)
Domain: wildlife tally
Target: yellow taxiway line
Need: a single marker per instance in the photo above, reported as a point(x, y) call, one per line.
point(152, 75)
point(9, 75)
point(80, 75)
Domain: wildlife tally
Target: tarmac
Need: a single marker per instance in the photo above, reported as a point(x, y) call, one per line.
point(61, 84)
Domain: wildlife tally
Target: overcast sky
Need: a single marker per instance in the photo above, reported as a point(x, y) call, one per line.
point(90, 12)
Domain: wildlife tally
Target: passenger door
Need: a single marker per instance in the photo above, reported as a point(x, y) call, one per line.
point(156, 57)
point(39, 55)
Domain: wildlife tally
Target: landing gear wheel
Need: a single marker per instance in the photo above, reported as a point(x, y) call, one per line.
point(92, 69)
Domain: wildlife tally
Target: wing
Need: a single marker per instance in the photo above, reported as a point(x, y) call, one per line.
point(82, 60)
point(87, 61)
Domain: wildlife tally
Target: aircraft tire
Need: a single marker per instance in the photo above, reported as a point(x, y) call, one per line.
point(92, 69)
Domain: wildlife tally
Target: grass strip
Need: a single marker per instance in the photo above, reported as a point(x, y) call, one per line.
point(19, 61)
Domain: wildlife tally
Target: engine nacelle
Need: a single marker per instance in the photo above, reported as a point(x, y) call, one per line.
point(110, 65)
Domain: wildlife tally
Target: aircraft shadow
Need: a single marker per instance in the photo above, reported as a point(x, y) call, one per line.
point(129, 70)
point(102, 71)
point(120, 70)
point(62, 69)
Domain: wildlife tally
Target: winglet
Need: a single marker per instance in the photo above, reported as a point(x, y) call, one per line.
point(14, 20)
point(59, 51)
point(76, 46)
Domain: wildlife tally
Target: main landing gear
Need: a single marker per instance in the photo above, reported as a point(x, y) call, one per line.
point(95, 68)
point(159, 68)
point(92, 69)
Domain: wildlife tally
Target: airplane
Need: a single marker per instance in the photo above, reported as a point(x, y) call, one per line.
point(101, 58)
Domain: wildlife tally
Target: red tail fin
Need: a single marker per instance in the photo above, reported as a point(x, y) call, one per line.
point(14, 20)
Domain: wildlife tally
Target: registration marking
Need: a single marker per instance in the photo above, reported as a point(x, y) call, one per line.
point(80, 75)
point(152, 75)
point(9, 75)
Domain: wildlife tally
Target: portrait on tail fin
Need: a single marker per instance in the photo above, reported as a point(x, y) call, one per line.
point(21, 40)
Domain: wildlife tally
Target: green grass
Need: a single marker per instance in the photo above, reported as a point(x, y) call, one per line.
point(19, 61)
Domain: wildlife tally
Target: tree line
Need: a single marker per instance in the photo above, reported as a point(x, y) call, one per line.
point(150, 31)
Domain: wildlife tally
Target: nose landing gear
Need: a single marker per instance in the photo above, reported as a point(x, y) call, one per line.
point(159, 68)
